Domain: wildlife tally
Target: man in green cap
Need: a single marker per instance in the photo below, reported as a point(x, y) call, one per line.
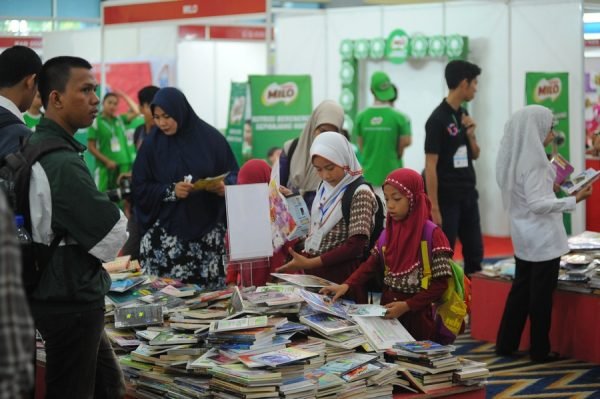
point(383, 132)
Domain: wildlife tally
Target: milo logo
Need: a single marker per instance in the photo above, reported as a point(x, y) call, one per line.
point(275, 93)
point(376, 120)
point(547, 89)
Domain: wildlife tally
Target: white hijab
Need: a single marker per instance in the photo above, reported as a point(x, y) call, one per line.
point(326, 210)
point(522, 147)
point(302, 174)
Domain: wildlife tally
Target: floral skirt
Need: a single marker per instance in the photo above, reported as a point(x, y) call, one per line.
point(199, 262)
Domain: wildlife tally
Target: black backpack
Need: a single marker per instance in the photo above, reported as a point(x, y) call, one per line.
point(379, 214)
point(15, 173)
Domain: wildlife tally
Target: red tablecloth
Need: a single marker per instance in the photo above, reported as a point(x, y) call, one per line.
point(575, 330)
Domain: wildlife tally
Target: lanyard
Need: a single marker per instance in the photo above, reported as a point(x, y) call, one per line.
point(334, 202)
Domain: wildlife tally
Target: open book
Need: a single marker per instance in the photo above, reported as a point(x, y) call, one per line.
point(579, 181)
point(209, 182)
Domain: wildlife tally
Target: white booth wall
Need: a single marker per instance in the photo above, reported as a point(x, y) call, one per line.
point(506, 39)
point(205, 68)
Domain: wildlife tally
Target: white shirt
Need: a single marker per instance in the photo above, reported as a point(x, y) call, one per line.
point(536, 227)
point(12, 107)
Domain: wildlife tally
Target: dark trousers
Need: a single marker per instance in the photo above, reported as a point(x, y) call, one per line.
point(80, 362)
point(460, 218)
point(530, 295)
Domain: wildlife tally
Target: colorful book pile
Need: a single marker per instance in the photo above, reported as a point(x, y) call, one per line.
point(239, 381)
point(430, 366)
point(268, 300)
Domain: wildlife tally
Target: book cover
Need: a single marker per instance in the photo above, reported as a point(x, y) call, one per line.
point(127, 284)
point(323, 304)
point(239, 324)
point(328, 324)
point(283, 356)
point(382, 333)
point(366, 310)
point(425, 346)
point(172, 338)
point(303, 280)
point(563, 168)
point(346, 364)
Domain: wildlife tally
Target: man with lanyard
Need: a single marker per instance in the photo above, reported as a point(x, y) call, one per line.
point(383, 133)
point(450, 148)
point(108, 144)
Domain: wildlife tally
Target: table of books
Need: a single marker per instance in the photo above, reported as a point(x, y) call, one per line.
point(279, 341)
point(575, 330)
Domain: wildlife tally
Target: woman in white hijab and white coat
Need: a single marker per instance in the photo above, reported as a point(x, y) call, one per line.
point(526, 179)
point(334, 249)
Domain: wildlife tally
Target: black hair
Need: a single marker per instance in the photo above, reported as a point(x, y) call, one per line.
point(344, 132)
point(110, 94)
point(459, 70)
point(16, 63)
point(146, 94)
point(272, 151)
point(55, 74)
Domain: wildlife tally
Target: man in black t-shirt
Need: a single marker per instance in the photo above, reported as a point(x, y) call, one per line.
point(450, 148)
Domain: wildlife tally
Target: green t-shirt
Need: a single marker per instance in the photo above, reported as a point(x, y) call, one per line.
point(130, 133)
point(380, 128)
point(31, 120)
point(110, 140)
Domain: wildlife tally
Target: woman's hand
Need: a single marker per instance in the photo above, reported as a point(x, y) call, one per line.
point(584, 193)
point(299, 262)
point(183, 189)
point(395, 309)
point(337, 290)
point(217, 189)
point(285, 191)
point(110, 165)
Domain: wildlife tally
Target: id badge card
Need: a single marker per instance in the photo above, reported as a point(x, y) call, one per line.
point(460, 157)
point(115, 145)
point(315, 242)
point(129, 133)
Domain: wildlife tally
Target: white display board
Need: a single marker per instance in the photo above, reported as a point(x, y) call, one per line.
point(248, 221)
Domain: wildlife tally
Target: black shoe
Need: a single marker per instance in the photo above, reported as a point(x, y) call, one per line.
point(550, 357)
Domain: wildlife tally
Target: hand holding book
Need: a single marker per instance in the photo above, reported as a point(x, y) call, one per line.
point(337, 290)
point(584, 193)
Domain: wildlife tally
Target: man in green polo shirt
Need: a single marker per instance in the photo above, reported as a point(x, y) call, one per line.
point(383, 132)
point(34, 113)
point(109, 145)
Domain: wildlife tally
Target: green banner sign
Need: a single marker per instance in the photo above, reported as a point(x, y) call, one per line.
point(238, 141)
point(281, 106)
point(552, 91)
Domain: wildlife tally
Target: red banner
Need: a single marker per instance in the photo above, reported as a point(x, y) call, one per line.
point(27, 41)
point(178, 9)
point(127, 77)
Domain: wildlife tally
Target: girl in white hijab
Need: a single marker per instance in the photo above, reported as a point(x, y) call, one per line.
point(296, 171)
point(526, 179)
point(333, 248)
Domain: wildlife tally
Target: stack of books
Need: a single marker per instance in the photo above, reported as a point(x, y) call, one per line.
point(430, 366)
point(471, 373)
point(243, 333)
point(267, 300)
point(239, 381)
point(328, 385)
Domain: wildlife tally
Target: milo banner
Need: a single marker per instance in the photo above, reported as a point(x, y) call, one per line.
point(281, 106)
point(552, 91)
point(236, 119)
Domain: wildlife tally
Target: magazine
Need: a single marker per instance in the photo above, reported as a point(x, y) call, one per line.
point(209, 183)
point(328, 324)
point(579, 181)
point(382, 333)
point(323, 304)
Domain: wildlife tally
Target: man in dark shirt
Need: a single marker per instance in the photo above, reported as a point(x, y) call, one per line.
point(450, 148)
point(19, 68)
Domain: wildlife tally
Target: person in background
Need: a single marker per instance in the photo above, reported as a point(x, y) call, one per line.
point(68, 302)
point(382, 132)
point(19, 69)
point(183, 230)
point(34, 114)
point(334, 248)
point(145, 97)
point(273, 155)
point(256, 273)
point(17, 334)
point(526, 180)
point(296, 171)
point(450, 149)
point(108, 144)
point(247, 141)
point(397, 257)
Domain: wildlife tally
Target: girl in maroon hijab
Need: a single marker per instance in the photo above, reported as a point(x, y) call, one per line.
point(398, 257)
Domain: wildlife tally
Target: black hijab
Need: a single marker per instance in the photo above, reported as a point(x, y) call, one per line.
point(196, 149)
